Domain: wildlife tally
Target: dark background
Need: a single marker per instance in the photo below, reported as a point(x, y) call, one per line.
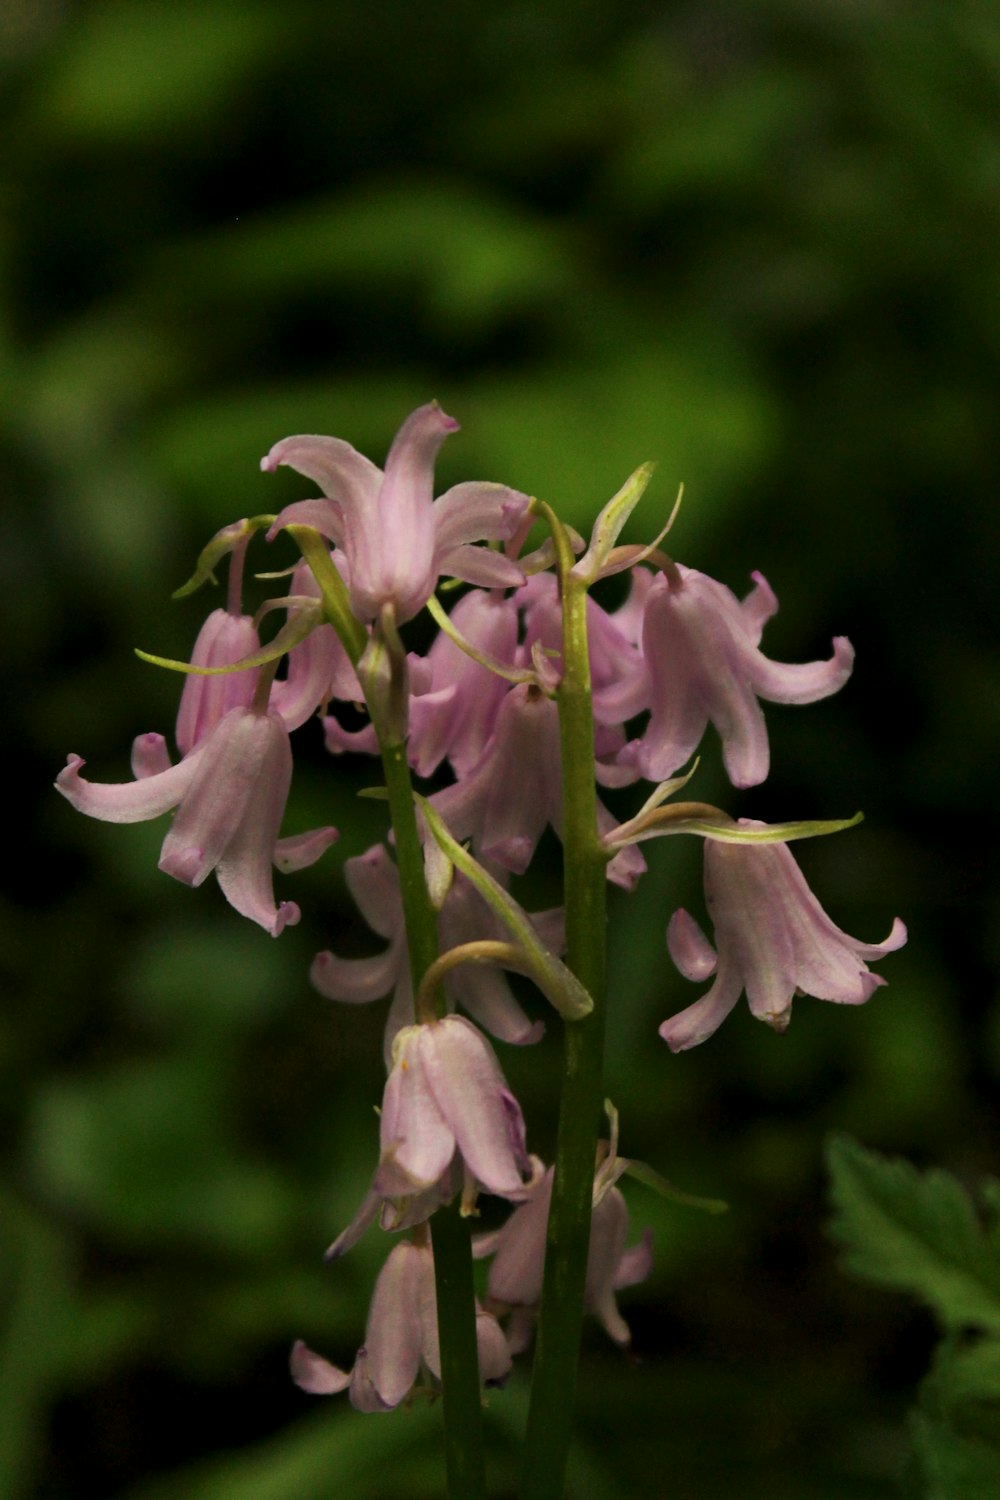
point(757, 244)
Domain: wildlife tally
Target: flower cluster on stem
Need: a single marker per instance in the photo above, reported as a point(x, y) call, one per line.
point(531, 697)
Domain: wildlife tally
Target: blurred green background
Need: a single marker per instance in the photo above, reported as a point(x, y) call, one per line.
point(757, 244)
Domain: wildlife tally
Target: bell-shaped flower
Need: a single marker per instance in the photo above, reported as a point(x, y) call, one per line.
point(773, 940)
point(446, 1099)
point(506, 801)
point(701, 648)
point(514, 1286)
point(230, 793)
point(223, 639)
point(484, 993)
point(401, 1340)
point(396, 539)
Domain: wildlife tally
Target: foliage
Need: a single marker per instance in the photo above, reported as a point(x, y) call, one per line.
point(920, 1233)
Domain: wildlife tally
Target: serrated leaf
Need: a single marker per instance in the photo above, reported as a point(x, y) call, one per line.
point(915, 1231)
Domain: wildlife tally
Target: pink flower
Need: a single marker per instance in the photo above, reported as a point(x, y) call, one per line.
point(230, 793)
point(396, 538)
point(401, 1339)
point(447, 1098)
point(223, 639)
point(701, 647)
point(518, 1250)
point(773, 940)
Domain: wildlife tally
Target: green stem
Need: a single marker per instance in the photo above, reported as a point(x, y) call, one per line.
point(550, 1415)
point(450, 1237)
point(456, 1308)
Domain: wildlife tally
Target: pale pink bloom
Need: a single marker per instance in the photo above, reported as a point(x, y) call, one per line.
point(230, 793)
point(449, 1123)
point(373, 881)
point(446, 1098)
point(223, 639)
point(505, 802)
point(773, 939)
point(701, 647)
point(518, 1249)
point(401, 1340)
point(396, 539)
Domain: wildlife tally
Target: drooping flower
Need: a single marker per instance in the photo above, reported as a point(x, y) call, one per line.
point(230, 792)
point(701, 647)
point(401, 1340)
point(514, 1287)
point(223, 639)
point(449, 1123)
point(484, 993)
point(772, 940)
point(446, 1097)
point(396, 539)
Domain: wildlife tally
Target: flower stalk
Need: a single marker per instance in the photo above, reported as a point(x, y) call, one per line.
point(456, 1307)
point(550, 1415)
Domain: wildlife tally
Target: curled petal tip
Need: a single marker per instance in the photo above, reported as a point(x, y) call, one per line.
point(74, 764)
point(448, 424)
point(287, 915)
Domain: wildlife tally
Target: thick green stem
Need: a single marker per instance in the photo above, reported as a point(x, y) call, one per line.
point(550, 1416)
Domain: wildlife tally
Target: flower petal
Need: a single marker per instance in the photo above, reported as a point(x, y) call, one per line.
point(222, 640)
point(314, 1374)
point(472, 1097)
point(698, 1022)
point(393, 1337)
point(477, 511)
point(356, 980)
point(689, 947)
point(417, 1143)
point(341, 472)
point(150, 756)
point(303, 849)
point(128, 801)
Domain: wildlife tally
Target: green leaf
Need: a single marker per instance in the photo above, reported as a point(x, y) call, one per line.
point(917, 1232)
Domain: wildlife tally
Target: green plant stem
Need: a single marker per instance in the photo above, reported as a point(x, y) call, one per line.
point(550, 1415)
point(456, 1308)
point(450, 1237)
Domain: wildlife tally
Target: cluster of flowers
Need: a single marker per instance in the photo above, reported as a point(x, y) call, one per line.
point(681, 651)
